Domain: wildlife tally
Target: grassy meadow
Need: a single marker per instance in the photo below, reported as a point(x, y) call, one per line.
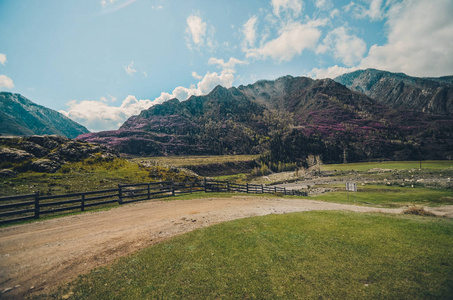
point(310, 255)
point(389, 196)
point(398, 165)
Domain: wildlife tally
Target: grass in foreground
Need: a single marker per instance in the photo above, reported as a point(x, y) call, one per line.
point(390, 196)
point(334, 255)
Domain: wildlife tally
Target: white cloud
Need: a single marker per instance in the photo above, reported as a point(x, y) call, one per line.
point(330, 72)
point(6, 82)
point(293, 7)
point(293, 39)
point(249, 31)
point(196, 76)
point(419, 42)
point(104, 3)
point(196, 28)
point(345, 47)
point(335, 12)
point(420, 39)
point(348, 7)
point(2, 58)
point(323, 4)
point(374, 11)
point(99, 115)
point(226, 65)
point(112, 99)
point(129, 69)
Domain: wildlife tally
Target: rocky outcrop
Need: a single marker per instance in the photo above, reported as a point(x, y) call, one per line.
point(45, 165)
point(14, 155)
point(48, 153)
point(6, 173)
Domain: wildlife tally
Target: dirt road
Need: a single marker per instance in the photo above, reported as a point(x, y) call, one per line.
point(37, 257)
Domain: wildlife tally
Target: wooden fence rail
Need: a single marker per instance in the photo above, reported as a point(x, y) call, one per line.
point(32, 206)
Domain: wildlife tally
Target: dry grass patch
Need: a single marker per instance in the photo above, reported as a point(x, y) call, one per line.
point(419, 211)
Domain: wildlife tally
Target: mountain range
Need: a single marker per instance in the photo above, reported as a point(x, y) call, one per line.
point(20, 116)
point(367, 114)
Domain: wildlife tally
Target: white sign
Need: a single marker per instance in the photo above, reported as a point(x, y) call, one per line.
point(351, 186)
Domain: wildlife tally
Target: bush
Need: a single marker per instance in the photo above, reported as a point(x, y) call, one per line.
point(419, 211)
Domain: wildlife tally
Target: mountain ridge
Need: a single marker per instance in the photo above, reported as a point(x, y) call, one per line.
point(22, 117)
point(398, 90)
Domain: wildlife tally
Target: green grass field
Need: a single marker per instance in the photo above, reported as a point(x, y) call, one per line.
point(389, 196)
point(399, 165)
point(311, 255)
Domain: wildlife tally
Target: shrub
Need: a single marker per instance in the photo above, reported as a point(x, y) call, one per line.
point(419, 211)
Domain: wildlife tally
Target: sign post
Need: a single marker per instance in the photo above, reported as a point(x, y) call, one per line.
point(350, 186)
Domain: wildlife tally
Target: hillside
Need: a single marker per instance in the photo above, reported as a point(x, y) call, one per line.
point(289, 118)
point(20, 116)
point(46, 153)
point(432, 95)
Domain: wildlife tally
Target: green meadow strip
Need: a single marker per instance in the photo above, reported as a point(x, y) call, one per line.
point(389, 196)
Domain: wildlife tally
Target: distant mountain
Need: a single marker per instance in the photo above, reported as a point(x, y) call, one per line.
point(288, 118)
point(20, 116)
point(431, 95)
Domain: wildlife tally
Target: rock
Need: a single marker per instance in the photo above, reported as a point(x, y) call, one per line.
point(45, 165)
point(34, 149)
point(14, 155)
point(48, 141)
point(7, 173)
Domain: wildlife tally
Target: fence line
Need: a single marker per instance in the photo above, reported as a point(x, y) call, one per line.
point(32, 206)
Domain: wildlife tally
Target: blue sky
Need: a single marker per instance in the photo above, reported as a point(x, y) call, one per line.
point(101, 61)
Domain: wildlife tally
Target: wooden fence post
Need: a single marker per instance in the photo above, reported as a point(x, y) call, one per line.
point(228, 186)
point(149, 193)
point(36, 205)
point(120, 195)
point(284, 190)
point(247, 188)
point(262, 189)
point(82, 204)
point(172, 188)
point(275, 189)
point(204, 183)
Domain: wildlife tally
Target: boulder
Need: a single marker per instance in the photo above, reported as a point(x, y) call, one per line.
point(47, 141)
point(34, 149)
point(5, 173)
point(14, 155)
point(45, 165)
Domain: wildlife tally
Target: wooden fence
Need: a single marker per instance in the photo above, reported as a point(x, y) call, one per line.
point(32, 206)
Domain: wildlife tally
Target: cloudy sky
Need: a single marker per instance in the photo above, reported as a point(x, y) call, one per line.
point(101, 61)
